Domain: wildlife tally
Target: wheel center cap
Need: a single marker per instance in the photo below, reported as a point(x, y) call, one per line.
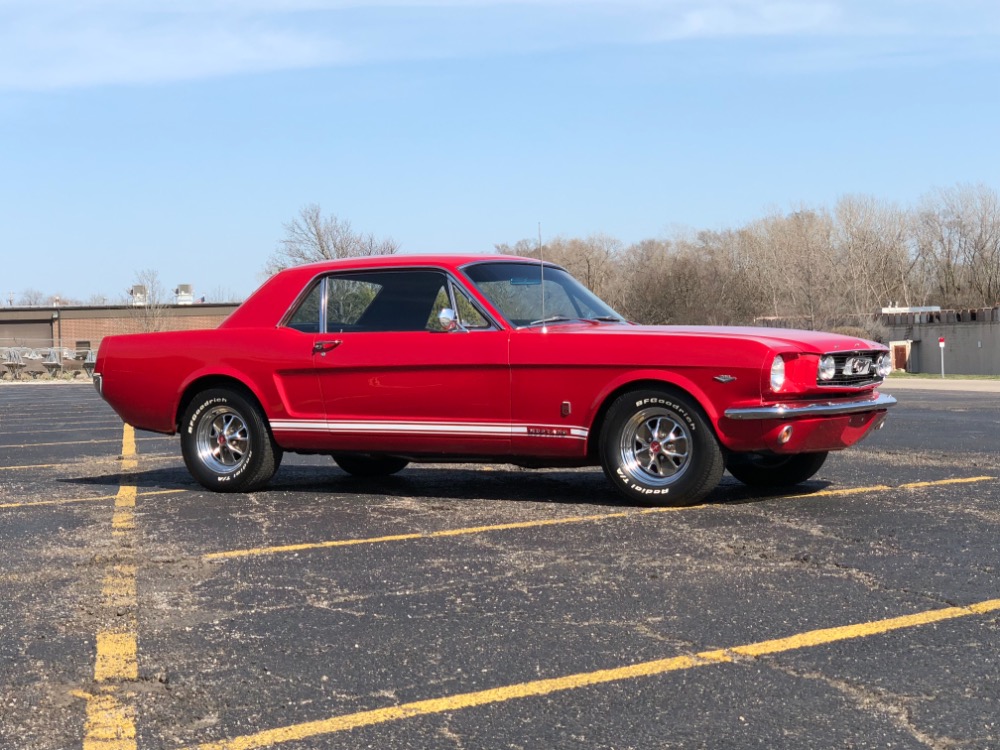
point(655, 446)
point(222, 439)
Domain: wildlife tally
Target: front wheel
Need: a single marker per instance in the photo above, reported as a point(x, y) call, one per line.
point(226, 443)
point(657, 448)
point(370, 466)
point(759, 470)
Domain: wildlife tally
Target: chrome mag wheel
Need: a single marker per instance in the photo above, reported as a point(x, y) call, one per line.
point(226, 442)
point(655, 447)
point(222, 439)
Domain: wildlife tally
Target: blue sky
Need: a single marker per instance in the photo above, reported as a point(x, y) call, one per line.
point(180, 137)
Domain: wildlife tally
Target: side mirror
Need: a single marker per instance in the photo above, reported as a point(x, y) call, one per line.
point(448, 319)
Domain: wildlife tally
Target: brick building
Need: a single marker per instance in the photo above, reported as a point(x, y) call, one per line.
point(83, 328)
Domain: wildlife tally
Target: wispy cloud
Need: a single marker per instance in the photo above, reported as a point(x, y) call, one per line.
point(78, 43)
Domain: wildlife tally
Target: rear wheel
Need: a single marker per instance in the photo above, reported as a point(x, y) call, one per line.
point(759, 470)
point(370, 466)
point(226, 443)
point(657, 448)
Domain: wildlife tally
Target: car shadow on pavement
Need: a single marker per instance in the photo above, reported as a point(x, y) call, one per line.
point(510, 484)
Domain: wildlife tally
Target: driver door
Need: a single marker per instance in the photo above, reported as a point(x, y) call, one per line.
point(394, 380)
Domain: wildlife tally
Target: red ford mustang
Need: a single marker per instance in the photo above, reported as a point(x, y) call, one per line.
point(382, 361)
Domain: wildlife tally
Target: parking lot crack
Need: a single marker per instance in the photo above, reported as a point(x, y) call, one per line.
point(896, 708)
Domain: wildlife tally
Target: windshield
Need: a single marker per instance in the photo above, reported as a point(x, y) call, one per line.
point(515, 289)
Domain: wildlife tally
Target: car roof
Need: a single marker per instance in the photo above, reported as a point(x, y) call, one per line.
point(283, 288)
point(442, 260)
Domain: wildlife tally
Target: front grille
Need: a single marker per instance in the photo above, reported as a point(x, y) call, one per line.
point(854, 369)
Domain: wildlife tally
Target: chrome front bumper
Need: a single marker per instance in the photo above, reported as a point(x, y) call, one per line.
point(814, 409)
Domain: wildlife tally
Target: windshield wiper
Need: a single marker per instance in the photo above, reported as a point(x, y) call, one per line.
point(551, 319)
point(607, 319)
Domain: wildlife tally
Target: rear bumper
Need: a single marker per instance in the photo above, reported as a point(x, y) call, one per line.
point(870, 402)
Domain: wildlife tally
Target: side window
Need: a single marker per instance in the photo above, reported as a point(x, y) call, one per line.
point(306, 318)
point(373, 301)
point(468, 315)
point(347, 300)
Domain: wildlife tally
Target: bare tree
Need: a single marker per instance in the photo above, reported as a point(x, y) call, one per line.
point(525, 248)
point(61, 300)
point(31, 298)
point(594, 260)
point(223, 295)
point(644, 269)
point(149, 307)
point(311, 237)
point(871, 251)
point(958, 245)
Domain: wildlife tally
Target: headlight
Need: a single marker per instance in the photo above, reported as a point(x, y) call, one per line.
point(777, 373)
point(884, 366)
point(827, 368)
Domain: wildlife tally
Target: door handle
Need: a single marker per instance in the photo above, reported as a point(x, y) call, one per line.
point(322, 347)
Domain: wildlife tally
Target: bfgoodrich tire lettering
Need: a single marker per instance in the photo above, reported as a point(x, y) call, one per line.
point(226, 443)
point(758, 470)
point(657, 448)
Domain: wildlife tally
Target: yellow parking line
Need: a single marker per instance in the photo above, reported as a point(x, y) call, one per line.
point(66, 501)
point(302, 547)
point(116, 657)
point(408, 537)
point(110, 723)
point(537, 688)
point(939, 482)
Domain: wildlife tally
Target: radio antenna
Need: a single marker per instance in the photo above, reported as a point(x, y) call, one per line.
point(541, 267)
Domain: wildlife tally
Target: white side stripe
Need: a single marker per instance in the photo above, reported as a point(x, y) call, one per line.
point(430, 428)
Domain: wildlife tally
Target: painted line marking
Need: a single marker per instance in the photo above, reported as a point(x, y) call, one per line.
point(305, 546)
point(110, 723)
point(536, 688)
point(940, 482)
point(118, 588)
point(82, 442)
point(35, 428)
point(32, 466)
point(116, 657)
point(69, 500)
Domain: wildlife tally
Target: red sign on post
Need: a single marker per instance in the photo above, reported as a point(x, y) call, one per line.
point(941, 342)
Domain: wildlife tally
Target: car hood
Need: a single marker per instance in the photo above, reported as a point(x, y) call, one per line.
point(817, 342)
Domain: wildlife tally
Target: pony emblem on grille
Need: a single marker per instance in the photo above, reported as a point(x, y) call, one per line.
point(857, 366)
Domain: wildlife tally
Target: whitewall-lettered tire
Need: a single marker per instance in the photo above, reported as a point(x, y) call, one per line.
point(226, 443)
point(657, 448)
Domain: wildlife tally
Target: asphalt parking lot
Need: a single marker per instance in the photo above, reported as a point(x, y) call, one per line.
point(491, 607)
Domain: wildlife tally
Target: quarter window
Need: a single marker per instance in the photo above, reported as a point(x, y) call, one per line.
point(306, 317)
